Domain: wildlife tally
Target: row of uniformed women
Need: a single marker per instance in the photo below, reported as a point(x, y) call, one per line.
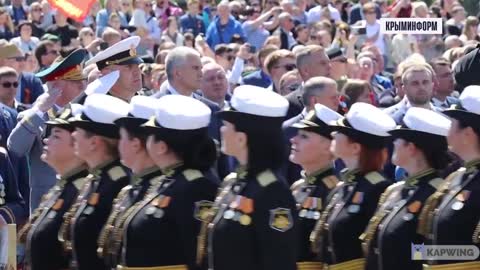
point(171, 214)
point(364, 222)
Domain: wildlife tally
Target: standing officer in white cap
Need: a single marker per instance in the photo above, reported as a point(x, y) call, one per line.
point(311, 150)
point(420, 147)
point(161, 231)
point(96, 141)
point(122, 56)
point(453, 212)
point(134, 155)
point(253, 225)
point(360, 141)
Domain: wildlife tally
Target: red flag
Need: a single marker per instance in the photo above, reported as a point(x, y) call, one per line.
point(75, 9)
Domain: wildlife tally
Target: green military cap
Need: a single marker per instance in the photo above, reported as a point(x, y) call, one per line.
point(69, 68)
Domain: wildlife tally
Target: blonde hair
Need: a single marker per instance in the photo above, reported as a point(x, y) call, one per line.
point(9, 23)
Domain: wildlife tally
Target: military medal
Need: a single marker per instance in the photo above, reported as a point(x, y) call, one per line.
point(316, 215)
point(457, 205)
point(52, 214)
point(410, 193)
point(89, 210)
point(354, 208)
point(150, 210)
point(2, 193)
point(245, 220)
point(303, 213)
point(229, 214)
point(158, 213)
point(408, 217)
point(237, 216)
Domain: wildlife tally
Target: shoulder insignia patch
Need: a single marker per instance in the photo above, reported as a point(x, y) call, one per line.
point(281, 219)
point(202, 210)
point(436, 183)
point(192, 174)
point(297, 185)
point(374, 178)
point(266, 178)
point(116, 173)
point(330, 181)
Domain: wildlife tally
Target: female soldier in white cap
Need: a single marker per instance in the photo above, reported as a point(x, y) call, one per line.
point(134, 155)
point(311, 150)
point(420, 147)
point(254, 227)
point(360, 141)
point(44, 251)
point(96, 142)
point(160, 232)
point(453, 212)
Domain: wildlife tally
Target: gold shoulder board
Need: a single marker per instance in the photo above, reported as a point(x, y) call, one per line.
point(374, 178)
point(436, 183)
point(192, 174)
point(266, 178)
point(78, 183)
point(330, 181)
point(116, 173)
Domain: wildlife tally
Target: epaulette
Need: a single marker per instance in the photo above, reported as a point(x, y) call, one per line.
point(436, 183)
point(116, 173)
point(374, 178)
point(330, 181)
point(298, 184)
point(191, 174)
point(390, 189)
point(266, 178)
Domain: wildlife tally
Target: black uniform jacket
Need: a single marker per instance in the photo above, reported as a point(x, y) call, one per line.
point(311, 194)
point(392, 231)
point(162, 229)
point(44, 250)
point(255, 225)
point(336, 235)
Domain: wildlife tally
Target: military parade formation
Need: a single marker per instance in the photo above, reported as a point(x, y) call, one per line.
point(137, 183)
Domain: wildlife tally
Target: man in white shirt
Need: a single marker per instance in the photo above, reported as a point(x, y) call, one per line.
point(315, 13)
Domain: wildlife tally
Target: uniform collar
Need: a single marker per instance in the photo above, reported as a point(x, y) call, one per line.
point(348, 176)
point(317, 175)
point(241, 172)
point(137, 178)
point(72, 173)
point(171, 170)
point(98, 169)
point(472, 165)
point(416, 179)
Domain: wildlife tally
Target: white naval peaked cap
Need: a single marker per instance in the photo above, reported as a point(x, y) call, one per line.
point(143, 107)
point(124, 46)
point(428, 121)
point(103, 84)
point(470, 99)
point(104, 109)
point(258, 101)
point(182, 113)
point(326, 115)
point(370, 119)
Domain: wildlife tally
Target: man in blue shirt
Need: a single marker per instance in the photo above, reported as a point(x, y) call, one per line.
point(222, 29)
point(260, 77)
point(192, 21)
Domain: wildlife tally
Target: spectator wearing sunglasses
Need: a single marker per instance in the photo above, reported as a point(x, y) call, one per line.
point(30, 87)
point(278, 63)
point(8, 88)
point(46, 54)
point(290, 82)
point(339, 66)
point(25, 42)
point(284, 30)
point(35, 16)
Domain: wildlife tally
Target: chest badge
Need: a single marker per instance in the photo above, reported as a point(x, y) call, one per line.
point(281, 219)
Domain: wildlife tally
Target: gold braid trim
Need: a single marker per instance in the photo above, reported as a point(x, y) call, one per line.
point(316, 237)
point(378, 217)
point(202, 236)
point(107, 229)
point(425, 218)
point(22, 234)
point(64, 233)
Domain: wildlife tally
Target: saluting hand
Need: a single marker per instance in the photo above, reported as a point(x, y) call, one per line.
point(46, 100)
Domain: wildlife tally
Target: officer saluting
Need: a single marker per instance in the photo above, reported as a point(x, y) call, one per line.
point(452, 213)
point(254, 227)
point(96, 141)
point(311, 150)
point(44, 251)
point(134, 155)
point(420, 147)
point(121, 56)
point(360, 142)
point(160, 232)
